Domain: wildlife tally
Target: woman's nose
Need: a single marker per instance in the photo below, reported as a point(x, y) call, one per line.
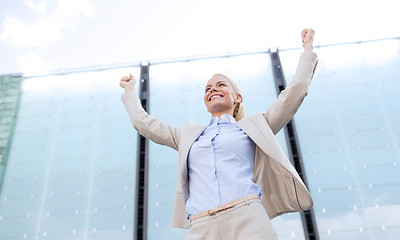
point(213, 89)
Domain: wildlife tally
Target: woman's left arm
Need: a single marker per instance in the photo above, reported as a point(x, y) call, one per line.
point(289, 100)
point(149, 127)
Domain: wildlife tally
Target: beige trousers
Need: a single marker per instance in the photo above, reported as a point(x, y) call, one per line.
point(245, 221)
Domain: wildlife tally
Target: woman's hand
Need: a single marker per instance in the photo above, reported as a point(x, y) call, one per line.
point(307, 36)
point(128, 83)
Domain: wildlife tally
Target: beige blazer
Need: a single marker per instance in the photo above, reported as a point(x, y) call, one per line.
point(283, 190)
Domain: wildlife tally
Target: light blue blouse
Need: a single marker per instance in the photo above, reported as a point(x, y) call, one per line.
point(220, 165)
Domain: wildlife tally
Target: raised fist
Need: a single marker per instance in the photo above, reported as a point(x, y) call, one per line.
point(307, 37)
point(128, 83)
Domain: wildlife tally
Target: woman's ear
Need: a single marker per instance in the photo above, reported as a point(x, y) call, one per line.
point(238, 98)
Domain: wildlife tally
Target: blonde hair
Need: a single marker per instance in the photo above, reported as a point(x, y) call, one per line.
point(239, 111)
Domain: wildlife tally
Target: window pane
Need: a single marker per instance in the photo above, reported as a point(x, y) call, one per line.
point(349, 132)
point(72, 162)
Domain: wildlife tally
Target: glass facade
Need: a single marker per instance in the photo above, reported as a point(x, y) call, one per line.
point(349, 134)
point(71, 165)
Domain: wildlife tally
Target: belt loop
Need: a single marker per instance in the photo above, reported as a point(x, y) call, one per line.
point(246, 200)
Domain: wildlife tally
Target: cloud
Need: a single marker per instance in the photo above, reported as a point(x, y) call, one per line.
point(354, 223)
point(74, 8)
point(378, 218)
point(24, 35)
point(49, 24)
point(32, 61)
point(45, 28)
point(288, 226)
point(38, 7)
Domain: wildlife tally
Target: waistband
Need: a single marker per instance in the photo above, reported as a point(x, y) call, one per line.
point(224, 207)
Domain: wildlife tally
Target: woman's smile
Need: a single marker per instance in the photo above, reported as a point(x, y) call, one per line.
point(214, 96)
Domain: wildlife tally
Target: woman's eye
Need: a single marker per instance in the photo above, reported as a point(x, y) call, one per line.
point(207, 89)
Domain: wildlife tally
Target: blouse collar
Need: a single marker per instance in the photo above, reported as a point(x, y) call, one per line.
point(225, 118)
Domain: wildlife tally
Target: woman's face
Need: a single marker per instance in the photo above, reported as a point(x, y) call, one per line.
point(219, 96)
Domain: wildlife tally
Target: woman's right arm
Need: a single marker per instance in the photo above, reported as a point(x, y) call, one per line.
point(148, 126)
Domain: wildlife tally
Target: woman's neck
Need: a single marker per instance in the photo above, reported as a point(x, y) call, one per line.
point(219, 114)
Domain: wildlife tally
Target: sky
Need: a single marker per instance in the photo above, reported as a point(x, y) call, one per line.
point(42, 35)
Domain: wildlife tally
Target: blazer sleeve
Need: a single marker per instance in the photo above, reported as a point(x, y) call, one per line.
point(149, 127)
point(288, 102)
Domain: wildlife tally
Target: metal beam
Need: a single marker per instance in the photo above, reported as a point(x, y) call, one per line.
point(142, 162)
point(307, 217)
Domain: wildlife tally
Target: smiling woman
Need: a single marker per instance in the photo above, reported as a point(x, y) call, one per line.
point(232, 174)
point(223, 96)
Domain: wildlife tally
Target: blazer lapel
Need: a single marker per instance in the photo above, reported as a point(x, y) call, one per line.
point(258, 132)
point(190, 138)
point(187, 141)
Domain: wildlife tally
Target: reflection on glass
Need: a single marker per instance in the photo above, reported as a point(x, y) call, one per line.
point(349, 133)
point(71, 167)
